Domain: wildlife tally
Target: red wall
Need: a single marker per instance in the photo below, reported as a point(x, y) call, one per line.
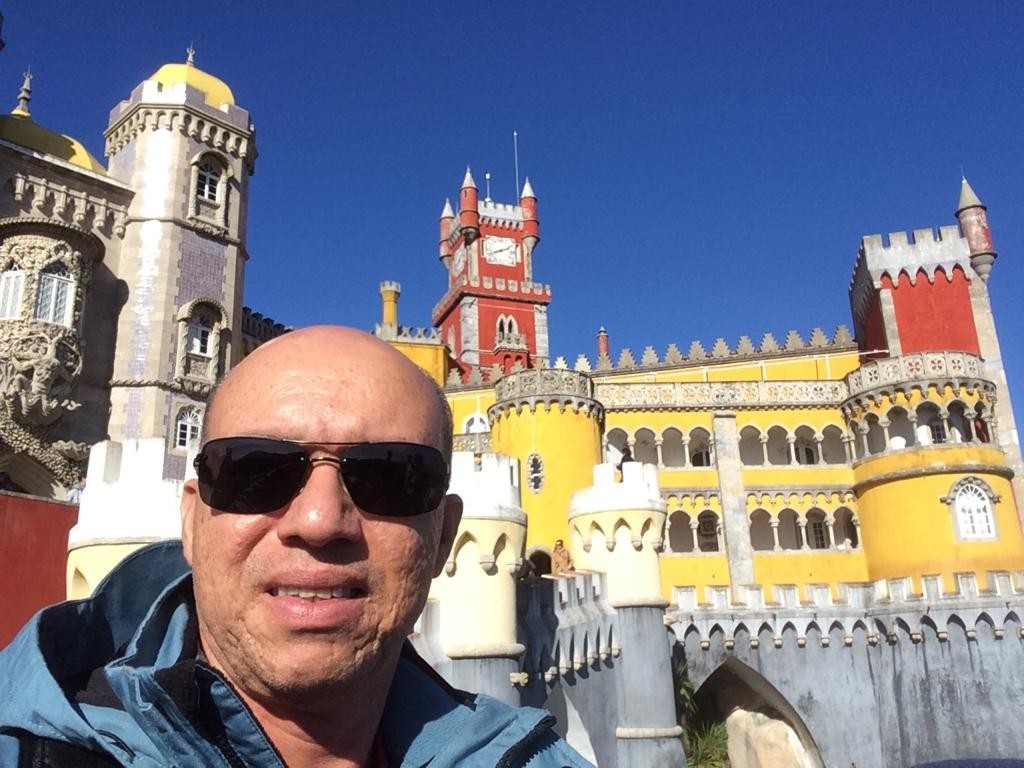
point(874, 328)
point(33, 556)
point(934, 316)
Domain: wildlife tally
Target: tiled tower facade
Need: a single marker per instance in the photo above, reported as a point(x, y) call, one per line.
point(187, 149)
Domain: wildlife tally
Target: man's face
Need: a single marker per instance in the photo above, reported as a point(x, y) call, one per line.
point(255, 574)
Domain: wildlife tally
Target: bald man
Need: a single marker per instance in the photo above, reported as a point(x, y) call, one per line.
point(318, 517)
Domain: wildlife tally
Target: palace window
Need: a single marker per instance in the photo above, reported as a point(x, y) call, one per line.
point(189, 426)
point(199, 331)
point(973, 509)
point(535, 472)
point(707, 532)
point(12, 283)
point(207, 181)
point(816, 536)
point(55, 299)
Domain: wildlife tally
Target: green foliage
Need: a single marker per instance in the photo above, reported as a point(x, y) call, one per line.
point(708, 747)
point(705, 740)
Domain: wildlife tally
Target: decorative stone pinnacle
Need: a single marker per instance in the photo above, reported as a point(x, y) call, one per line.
point(468, 180)
point(447, 213)
point(528, 189)
point(24, 96)
point(190, 54)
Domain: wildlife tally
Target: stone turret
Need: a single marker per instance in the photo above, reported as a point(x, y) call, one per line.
point(617, 528)
point(973, 218)
point(469, 208)
point(476, 594)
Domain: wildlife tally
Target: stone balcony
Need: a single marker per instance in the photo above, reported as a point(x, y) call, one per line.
point(922, 369)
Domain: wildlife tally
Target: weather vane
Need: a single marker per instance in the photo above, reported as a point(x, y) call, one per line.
point(191, 54)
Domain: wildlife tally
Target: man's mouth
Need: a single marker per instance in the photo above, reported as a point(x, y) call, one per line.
point(345, 593)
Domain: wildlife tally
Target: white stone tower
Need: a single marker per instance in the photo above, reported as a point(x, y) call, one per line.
point(187, 150)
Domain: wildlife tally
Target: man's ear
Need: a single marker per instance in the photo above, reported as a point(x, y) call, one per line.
point(189, 498)
point(451, 511)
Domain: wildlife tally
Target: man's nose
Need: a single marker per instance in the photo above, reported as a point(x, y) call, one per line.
point(322, 511)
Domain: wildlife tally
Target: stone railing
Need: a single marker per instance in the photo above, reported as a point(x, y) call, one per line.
point(476, 442)
point(923, 367)
point(720, 394)
point(885, 609)
point(544, 381)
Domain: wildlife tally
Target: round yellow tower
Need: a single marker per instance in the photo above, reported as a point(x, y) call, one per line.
point(934, 492)
point(549, 420)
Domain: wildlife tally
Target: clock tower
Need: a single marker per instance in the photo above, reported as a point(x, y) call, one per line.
point(492, 313)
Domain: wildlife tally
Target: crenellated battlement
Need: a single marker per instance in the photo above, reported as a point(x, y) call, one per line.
point(637, 490)
point(721, 351)
point(489, 486)
point(417, 335)
point(886, 609)
point(584, 621)
point(544, 387)
point(500, 286)
point(501, 214)
point(921, 251)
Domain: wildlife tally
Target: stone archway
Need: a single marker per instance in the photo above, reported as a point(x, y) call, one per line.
point(764, 729)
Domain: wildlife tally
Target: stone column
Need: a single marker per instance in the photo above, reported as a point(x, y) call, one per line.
point(801, 523)
point(884, 424)
point(735, 523)
point(776, 547)
point(791, 445)
point(686, 450)
point(657, 447)
point(763, 439)
point(819, 449)
point(830, 539)
point(693, 535)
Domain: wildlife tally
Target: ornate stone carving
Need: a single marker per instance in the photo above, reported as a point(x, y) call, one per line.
point(923, 369)
point(39, 363)
point(548, 386)
point(720, 394)
point(57, 204)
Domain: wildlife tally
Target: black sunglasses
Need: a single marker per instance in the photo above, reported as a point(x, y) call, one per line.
point(253, 475)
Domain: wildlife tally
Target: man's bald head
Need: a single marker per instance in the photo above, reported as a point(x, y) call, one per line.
point(347, 343)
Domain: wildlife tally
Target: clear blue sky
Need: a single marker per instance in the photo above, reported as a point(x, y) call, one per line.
point(702, 169)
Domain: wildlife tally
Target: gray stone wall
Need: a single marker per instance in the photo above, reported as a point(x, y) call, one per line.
point(898, 697)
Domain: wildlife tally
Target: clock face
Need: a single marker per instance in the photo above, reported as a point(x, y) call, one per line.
point(500, 250)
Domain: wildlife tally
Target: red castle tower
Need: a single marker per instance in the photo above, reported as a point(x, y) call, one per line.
point(492, 313)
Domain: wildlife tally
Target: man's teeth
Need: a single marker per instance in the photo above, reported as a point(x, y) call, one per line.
point(314, 594)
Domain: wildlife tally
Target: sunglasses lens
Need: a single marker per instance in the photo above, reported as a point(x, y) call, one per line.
point(395, 479)
point(250, 475)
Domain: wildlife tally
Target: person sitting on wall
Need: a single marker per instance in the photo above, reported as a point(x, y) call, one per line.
point(627, 455)
point(319, 516)
point(561, 560)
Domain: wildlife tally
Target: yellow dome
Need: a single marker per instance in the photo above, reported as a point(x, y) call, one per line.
point(24, 131)
point(216, 90)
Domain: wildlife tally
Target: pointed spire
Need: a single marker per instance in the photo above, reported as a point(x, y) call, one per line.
point(447, 213)
point(967, 197)
point(190, 55)
point(528, 189)
point(24, 96)
point(468, 181)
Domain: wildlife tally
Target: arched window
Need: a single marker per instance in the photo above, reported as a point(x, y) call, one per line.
point(188, 428)
point(930, 429)
point(672, 448)
point(761, 538)
point(12, 284)
point(680, 537)
point(778, 446)
point(971, 500)
point(617, 440)
point(707, 531)
point(805, 447)
point(55, 299)
point(751, 449)
point(476, 424)
point(789, 530)
point(832, 445)
point(817, 533)
point(207, 181)
point(700, 447)
point(644, 449)
point(199, 332)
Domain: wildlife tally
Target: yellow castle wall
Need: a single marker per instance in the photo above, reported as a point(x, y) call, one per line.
point(906, 528)
point(569, 445)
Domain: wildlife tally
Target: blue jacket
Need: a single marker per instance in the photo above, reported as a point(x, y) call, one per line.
point(117, 676)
